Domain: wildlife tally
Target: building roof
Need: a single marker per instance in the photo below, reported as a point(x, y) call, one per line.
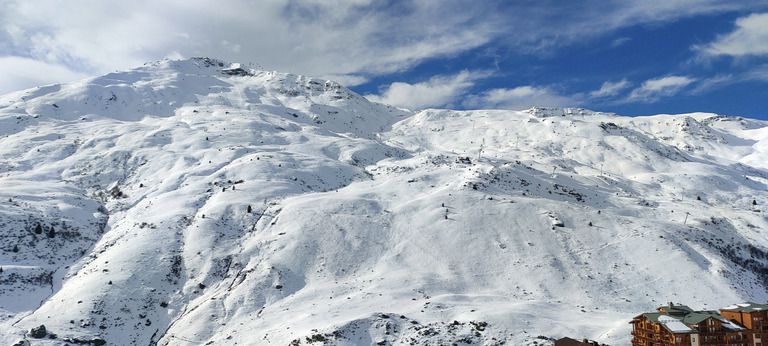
point(680, 319)
point(674, 309)
point(746, 307)
point(675, 325)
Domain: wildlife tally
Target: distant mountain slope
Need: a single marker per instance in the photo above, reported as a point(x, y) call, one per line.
point(198, 201)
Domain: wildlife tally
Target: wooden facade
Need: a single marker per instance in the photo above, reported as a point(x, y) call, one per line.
point(752, 316)
point(674, 325)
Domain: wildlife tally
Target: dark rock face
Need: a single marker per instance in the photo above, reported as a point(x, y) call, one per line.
point(236, 71)
point(38, 332)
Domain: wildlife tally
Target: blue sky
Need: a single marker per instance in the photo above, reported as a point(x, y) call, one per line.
point(628, 57)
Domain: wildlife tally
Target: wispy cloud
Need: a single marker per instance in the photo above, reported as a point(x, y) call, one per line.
point(582, 20)
point(522, 97)
point(610, 89)
point(438, 91)
point(654, 89)
point(620, 41)
point(715, 82)
point(749, 38)
point(758, 73)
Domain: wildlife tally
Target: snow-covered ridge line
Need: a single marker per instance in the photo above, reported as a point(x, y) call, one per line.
point(195, 200)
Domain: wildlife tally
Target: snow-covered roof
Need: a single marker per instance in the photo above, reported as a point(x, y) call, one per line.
point(746, 307)
point(731, 326)
point(674, 325)
point(680, 319)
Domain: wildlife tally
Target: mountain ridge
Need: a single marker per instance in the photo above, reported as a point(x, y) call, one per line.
point(294, 209)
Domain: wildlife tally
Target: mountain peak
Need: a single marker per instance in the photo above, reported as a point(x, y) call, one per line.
point(198, 85)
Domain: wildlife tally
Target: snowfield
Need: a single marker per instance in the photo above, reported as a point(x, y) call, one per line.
point(202, 202)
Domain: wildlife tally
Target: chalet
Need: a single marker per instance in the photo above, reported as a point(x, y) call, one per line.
point(681, 325)
point(752, 316)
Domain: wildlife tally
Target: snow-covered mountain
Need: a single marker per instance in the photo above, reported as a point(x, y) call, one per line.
point(201, 202)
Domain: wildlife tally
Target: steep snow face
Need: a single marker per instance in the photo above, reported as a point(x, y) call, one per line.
point(200, 201)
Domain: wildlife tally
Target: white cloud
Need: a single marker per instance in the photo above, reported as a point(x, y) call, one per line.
point(653, 89)
point(438, 91)
point(22, 73)
point(309, 37)
point(522, 97)
point(610, 88)
point(347, 80)
point(758, 73)
point(749, 38)
point(544, 27)
point(361, 38)
point(620, 41)
point(713, 83)
point(452, 91)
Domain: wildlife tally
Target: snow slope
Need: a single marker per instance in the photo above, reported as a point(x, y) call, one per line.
point(203, 202)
